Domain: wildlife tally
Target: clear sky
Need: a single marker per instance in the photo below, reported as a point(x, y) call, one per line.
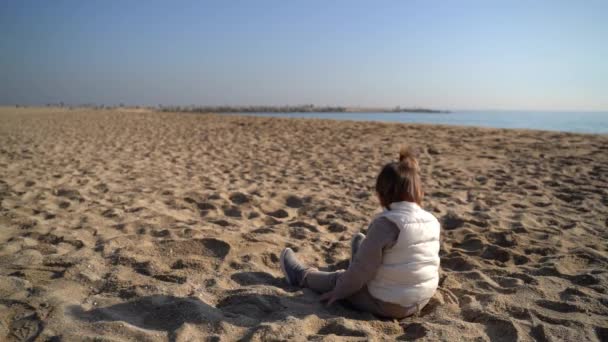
point(536, 55)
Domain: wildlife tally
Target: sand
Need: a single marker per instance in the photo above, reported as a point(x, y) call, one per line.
point(132, 225)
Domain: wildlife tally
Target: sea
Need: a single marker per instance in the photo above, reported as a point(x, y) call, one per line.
point(578, 122)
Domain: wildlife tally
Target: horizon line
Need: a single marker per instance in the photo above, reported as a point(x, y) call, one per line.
point(371, 108)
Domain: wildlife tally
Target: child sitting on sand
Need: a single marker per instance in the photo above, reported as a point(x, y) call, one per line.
point(394, 271)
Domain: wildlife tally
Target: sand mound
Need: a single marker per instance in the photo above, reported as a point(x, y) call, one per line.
point(156, 226)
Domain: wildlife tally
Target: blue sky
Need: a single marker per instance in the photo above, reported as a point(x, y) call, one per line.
point(528, 55)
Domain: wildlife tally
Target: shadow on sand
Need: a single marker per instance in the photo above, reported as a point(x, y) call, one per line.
point(241, 307)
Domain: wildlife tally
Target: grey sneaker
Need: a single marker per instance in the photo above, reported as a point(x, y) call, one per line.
point(355, 243)
point(292, 268)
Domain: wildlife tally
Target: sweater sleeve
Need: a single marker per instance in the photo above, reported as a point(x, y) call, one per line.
point(382, 233)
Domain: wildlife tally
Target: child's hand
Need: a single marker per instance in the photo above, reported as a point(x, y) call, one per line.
point(330, 297)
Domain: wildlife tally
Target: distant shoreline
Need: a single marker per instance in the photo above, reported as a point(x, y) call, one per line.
point(246, 109)
point(572, 122)
point(293, 109)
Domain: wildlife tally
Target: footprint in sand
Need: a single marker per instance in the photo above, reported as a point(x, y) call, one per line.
point(471, 244)
point(279, 213)
point(415, 331)
point(299, 233)
point(53, 239)
point(207, 247)
point(497, 253)
point(161, 233)
point(232, 211)
point(20, 321)
point(270, 259)
point(68, 193)
point(253, 214)
point(170, 278)
point(542, 204)
point(256, 278)
point(239, 198)
point(253, 305)
point(562, 307)
point(496, 328)
point(302, 224)
point(203, 207)
point(221, 222)
point(342, 327)
point(508, 282)
point(337, 227)
point(503, 239)
point(111, 213)
point(457, 262)
point(451, 221)
point(569, 197)
point(295, 202)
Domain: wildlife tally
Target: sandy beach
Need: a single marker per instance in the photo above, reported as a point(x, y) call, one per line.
point(138, 225)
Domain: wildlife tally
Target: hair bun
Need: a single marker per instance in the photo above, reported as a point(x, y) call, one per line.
point(405, 152)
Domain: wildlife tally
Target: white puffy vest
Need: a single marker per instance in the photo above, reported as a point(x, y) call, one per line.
point(410, 268)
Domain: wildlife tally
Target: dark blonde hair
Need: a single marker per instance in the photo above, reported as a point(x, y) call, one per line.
point(400, 181)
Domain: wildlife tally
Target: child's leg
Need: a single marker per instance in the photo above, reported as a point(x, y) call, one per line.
point(325, 281)
point(298, 274)
point(321, 282)
point(364, 301)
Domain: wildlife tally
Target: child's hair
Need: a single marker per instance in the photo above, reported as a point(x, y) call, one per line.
point(400, 181)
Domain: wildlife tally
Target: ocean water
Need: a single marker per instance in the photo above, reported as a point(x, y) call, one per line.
point(580, 122)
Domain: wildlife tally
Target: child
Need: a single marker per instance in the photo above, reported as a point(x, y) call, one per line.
point(394, 271)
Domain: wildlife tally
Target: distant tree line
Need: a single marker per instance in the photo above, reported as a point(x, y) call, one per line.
point(253, 109)
point(398, 109)
point(308, 108)
point(94, 106)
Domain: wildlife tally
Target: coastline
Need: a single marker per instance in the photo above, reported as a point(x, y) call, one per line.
point(146, 225)
point(301, 109)
point(321, 116)
point(597, 125)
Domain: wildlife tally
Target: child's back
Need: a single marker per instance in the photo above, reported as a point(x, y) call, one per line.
point(409, 272)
